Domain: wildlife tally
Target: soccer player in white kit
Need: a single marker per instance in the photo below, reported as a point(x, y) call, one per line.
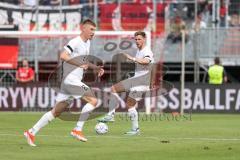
point(72, 87)
point(138, 84)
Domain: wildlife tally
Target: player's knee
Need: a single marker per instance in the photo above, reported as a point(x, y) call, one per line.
point(56, 113)
point(113, 89)
point(131, 102)
point(93, 101)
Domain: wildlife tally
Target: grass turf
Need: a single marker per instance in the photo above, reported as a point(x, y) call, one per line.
point(201, 136)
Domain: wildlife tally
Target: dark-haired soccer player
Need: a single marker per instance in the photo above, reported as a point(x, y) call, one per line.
point(138, 84)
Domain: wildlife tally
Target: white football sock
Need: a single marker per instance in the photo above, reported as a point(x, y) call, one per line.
point(87, 109)
point(44, 120)
point(133, 114)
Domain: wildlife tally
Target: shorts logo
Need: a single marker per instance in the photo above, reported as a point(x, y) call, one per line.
point(85, 87)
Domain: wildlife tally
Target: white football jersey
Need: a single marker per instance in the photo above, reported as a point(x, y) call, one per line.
point(146, 52)
point(78, 49)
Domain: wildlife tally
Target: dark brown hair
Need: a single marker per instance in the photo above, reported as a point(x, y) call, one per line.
point(140, 33)
point(217, 60)
point(88, 21)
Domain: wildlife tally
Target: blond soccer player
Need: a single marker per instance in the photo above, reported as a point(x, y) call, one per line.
point(72, 86)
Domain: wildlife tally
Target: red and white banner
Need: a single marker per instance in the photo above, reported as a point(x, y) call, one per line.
point(49, 18)
point(199, 98)
point(132, 16)
point(41, 96)
point(9, 53)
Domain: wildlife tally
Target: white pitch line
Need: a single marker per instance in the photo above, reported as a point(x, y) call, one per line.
point(136, 137)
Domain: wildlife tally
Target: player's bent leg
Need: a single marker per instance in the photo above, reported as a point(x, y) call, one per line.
point(87, 109)
point(133, 115)
point(131, 102)
point(113, 102)
point(44, 120)
point(59, 108)
point(117, 88)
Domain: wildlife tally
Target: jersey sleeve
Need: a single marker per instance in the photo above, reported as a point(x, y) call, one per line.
point(149, 55)
point(70, 46)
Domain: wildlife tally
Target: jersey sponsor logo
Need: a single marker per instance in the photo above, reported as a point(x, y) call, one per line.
point(111, 46)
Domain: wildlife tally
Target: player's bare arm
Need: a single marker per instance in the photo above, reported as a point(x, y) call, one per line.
point(66, 57)
point(143, 61)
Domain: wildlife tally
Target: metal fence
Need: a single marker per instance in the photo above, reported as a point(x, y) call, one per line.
point(223, 43)
point(200, 47)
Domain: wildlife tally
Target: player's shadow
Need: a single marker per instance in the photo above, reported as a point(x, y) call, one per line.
point(118, 70)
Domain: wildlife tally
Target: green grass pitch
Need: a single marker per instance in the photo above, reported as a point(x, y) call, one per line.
point(204, 136)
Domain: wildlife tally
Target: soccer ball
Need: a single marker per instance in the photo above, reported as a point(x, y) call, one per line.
point(101, 128)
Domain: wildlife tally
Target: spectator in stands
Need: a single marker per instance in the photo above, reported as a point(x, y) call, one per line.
point(202, 4)
point(176, 27)
point(206, 14)
point(73, 2)
point(199, 24)
point(235, 20)
point(217, 73)
point(29, 3)
point(55, 2)
point(223, 13)
point(49, 2)
point(87, 9)
point(25, 73)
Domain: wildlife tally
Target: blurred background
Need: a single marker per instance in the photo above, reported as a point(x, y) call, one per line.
point(212, 29)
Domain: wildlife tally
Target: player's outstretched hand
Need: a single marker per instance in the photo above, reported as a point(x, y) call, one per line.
point(127, 56)
point(100, 72)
